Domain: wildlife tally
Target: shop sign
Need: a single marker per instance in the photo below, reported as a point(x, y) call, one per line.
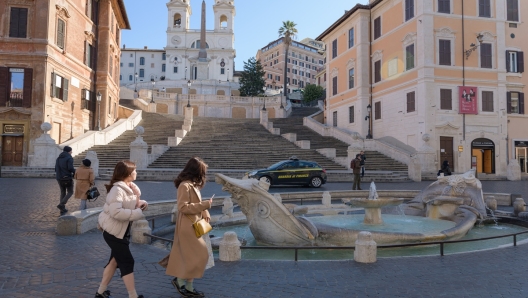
point(482, 143)
point(460, 148)
point(521, 143)
point(13, 129)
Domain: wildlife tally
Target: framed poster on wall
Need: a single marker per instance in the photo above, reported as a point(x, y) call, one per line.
point(468, 100)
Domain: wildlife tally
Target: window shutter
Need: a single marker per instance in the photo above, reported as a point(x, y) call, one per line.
point(508, 61)
point(508, 103)
point(65, 83)
point(520, 62)
point(52, 93)
point(86, 50)
point(22, 22)
point(13, 22)
point(4, 84)
point(521, 103)
point(28, 87)
point(60, 33)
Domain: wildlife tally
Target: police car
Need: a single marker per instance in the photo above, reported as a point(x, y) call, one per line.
point(291, 171)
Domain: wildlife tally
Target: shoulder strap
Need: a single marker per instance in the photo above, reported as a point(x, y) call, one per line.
point(191, 219)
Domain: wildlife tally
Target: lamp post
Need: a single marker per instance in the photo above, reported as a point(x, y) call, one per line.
point(280, 90)
point(264, 107)
point(189, 93)
point(473, 47)
point(185, 73)
point(99, 95)
point(152, 92)
point(228, 74)
point(135, 82)
point(369, 110)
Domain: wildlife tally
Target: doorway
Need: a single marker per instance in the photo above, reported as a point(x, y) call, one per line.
point(446, 151)
point(483, 156)
point(12, 150)
point(521, 154)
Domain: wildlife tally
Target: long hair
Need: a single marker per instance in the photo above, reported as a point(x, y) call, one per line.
point(194, 171)
point(122, 170)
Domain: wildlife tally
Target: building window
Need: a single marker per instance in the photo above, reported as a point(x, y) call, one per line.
point(334, 48)
point(351, 114)
point(175, 69)
point(334, 118)
point(59, 88)
point(222, 70)
point(130, 64)
point(514, 61)
point(351, 78)
point(444, 6)
point(163, 67)
point(377, 71)
point(61, 33)
point(141, 60)
point(130, 78)
point(446, 99)
point(89, 52)
point(445, 52)
point(152, 65)
point(18, 22)
point(377, 27)
point(485, 55)
point(515, 102)
point(141, 73)
point(409, 57)
point(120, 77)
point(164, 56)
point(277, 78)
point(16, 87)
point(485, 8)
point(334, 85)
point(411, 104)
point(409, 9)
point(350, 38)
point(85, 99)
point(377, 110)
point(487, 101)
point(512, 10)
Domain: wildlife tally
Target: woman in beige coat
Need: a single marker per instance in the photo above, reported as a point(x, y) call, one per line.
point(84, 179)
point(189, 255)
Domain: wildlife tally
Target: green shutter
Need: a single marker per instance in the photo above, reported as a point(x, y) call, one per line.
point(52, 91)
point(65, 83)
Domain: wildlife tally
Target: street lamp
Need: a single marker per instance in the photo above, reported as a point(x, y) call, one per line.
point(185, 73)
point(99, 95)
point(228, 74)
point(135, 82)
point(189, 93)
point(264, 107)
point(152, 92)
point(369, 110)
point(473, 47)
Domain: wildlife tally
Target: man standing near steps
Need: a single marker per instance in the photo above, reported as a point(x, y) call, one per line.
point(363, 158)
point(64, 172)
point(355, 165)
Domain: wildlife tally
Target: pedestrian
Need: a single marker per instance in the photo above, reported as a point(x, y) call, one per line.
point(189, 254)
point(85, 179)
point(445, 169)
point(64, 172)
point(123, 206)
point(363, 158)
point(355, 165)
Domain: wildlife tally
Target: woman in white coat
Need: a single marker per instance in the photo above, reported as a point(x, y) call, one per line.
point(122, 207)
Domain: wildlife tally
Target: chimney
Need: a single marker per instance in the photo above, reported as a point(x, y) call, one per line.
point(124, 46)
point(146, 48)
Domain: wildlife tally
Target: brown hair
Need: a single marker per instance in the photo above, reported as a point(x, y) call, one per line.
point(122, 170)
point(194, 171)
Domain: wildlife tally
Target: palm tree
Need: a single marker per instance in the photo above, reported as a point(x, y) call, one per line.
point(288, 32)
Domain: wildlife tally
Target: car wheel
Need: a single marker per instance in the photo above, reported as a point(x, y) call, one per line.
point(316, 182)
point(265, 179)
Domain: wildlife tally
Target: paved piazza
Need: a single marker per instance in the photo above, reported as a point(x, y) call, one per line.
point(34, 262)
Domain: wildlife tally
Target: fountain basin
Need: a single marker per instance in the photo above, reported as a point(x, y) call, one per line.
point(373, 207)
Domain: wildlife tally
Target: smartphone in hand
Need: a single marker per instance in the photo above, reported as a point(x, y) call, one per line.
point(211, 199)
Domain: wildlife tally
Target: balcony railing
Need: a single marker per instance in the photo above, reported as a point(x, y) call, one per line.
point(14, 102)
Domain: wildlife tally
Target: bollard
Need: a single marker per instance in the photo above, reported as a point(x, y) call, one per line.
point(230, 248)
point(366, 249)
point(327, 199)
point(518, 206)
point(137, 229)
point(491, 203)
point(67, 225)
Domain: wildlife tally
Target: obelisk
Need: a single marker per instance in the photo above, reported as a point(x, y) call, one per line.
point(202, 64)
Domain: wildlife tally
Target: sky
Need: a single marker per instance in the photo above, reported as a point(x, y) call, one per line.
point(256, 22)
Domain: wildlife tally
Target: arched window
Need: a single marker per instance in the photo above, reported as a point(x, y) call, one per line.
point(177, 20)
point(142, 61)
point(223, 22)
point(196, 45)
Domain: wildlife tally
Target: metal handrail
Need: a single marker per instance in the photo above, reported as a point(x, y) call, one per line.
point(441, 243)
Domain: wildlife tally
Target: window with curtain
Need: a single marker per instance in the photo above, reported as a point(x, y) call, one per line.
point(444, 52)
point(487, 101)
point(512, 10)
point(485, 8)
point(409, 57)
point(485, 55)
point(409, 9)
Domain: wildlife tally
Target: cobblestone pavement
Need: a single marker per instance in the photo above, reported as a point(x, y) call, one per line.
point(34, 262)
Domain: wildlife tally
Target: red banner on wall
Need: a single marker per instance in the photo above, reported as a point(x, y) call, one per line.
point(468, 99)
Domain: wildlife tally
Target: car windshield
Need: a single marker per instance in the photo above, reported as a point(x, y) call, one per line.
point(274, 166)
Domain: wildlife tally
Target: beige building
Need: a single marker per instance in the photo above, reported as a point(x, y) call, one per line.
point(305, 59)
point(55, 56)
point(440, 75)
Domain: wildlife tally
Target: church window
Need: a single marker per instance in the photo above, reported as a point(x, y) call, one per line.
point(223, 22)
point(196, 45)
point(222, 70)
point(177, 20)
point(175, 69)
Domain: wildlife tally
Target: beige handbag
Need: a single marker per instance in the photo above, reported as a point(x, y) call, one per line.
point(201, 227)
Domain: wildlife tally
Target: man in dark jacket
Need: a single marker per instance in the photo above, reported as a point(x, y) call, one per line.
point(363, 158)
point(355, 165)
point(64, 172)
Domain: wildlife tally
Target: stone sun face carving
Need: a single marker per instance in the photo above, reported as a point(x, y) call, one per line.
point(455, 185)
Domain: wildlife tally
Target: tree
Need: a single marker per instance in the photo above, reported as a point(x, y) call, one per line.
point(288, 31)
point(312, 92)
point(252, 78)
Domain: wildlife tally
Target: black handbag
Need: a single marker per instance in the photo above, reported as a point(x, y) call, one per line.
point(92, 194)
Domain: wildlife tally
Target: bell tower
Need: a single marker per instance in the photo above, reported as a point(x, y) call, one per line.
point(179, 15)
point(224, 14)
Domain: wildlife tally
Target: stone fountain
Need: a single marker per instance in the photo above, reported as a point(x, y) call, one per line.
point(456, 200)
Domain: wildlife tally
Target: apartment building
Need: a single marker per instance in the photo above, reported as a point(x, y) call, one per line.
point(55, 56)
point(439, 75)
point(305, 59)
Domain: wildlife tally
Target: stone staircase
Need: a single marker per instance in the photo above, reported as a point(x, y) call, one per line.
point(236, 144)
point(157, 130)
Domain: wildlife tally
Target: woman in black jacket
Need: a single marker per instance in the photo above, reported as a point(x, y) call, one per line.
point(445, 169)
